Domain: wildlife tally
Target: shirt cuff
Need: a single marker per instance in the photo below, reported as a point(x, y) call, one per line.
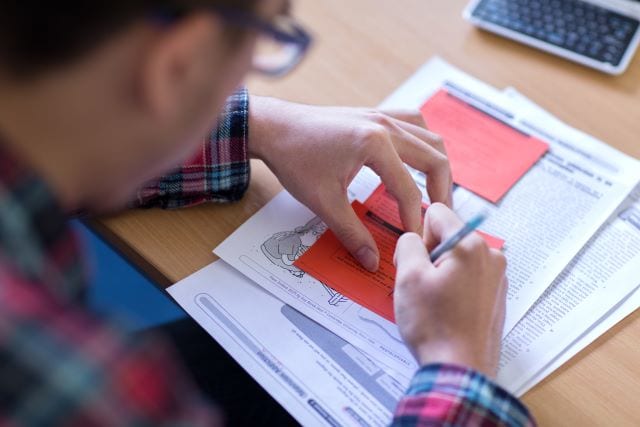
point(449, 395)
point(218, 172)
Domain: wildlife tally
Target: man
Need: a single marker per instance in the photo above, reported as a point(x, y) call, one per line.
point(97, 99)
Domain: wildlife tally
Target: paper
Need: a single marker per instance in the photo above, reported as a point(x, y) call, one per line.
point(603, 273)
point(487, 156)
point(265, 249)
point(618, 314)
point(329, 261)
point(384, 205)
point(545, 219)
point(553, 210)
point(554, 340)
point(319, 378)
point(583, 244)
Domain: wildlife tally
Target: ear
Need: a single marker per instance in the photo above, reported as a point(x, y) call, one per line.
point(177, 61)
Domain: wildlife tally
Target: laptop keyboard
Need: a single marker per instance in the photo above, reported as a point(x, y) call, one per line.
point(578, 26)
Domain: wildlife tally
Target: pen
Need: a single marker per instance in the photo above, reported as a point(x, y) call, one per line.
point(452, 241)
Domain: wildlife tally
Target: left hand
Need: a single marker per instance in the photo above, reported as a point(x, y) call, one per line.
point(317, 151)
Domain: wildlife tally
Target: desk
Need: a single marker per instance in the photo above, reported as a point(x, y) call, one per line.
point(364, 50)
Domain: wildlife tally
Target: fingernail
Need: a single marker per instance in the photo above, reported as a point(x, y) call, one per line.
point(367, 258)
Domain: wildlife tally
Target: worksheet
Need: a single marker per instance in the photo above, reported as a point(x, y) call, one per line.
point(545, 220)
point(617, 314)
point(315, 375)
point(329, 261)
point(529, 337)
point(555, 208)
point(265, 249)
point(604, 273)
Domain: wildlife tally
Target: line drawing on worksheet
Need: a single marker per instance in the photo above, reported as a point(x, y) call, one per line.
point(285, 247)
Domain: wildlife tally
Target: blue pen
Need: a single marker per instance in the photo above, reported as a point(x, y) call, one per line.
point(451, 242)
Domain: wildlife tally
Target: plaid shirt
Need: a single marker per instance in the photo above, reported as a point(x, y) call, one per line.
point(61, 365)
point(449, 395)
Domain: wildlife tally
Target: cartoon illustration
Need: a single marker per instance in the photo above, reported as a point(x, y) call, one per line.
point(335, 298)
point(285, 247)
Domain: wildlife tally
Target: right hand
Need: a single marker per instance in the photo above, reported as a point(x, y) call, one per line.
point(453, 311)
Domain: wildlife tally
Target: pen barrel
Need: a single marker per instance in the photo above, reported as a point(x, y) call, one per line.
point(450, 243)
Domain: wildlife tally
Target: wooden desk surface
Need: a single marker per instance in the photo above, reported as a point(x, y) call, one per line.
point(364, 50)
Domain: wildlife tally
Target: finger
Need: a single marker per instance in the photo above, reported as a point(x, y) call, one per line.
point(413, 122)
point(440, 186)
point(384, 160)
point(420, 155)
point(412, 116)
point(440, 223)
point(500, 308)
point(411, 256)
point(339, 216)
point(433, 139)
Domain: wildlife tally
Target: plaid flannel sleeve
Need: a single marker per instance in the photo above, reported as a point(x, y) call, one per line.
point(448, 395)
point(63, 366)
point(219, 172)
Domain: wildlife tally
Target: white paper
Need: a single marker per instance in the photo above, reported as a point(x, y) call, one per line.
point(549, 343)
point(314, 374)
point(264, 248)
point(545, 219)
point(617, 314)
point(605, 271)
point(556, 207)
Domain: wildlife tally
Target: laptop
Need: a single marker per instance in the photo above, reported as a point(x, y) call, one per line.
point(601, 34)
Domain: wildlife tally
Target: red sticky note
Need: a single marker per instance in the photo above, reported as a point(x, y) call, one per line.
point(328, 261)
point(487, 156)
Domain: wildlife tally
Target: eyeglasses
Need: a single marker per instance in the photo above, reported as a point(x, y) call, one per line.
point(281, 44)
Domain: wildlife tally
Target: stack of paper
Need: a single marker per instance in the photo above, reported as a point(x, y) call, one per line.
point(570, 221)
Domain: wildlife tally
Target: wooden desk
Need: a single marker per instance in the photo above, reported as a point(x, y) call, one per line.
point(364, 50)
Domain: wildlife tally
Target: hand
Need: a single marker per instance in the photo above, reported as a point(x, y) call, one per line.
point(317, 151)
point(453, 311)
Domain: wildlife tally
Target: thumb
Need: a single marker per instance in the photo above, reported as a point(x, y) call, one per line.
point(411, 256)
point(440, 222)
point(351, 232)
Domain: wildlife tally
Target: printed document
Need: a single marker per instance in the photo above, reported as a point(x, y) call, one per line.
point(553, 210)
point(545, 219)
point(328, 261)
point(314, 374)
point(487, 155)
point(571, 226)
point(603, 278)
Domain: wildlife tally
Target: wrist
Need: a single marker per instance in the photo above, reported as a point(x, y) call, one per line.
point(454, 355)
point(265, 117)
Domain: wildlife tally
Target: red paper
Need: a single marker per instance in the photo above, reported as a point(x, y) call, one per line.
point(486, 155)
point(328, 261)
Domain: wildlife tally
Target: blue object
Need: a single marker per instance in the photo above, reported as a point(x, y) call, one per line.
point(451, 242)
point(117, 290)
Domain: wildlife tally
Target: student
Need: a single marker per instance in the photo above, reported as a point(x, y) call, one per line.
point(100, 98)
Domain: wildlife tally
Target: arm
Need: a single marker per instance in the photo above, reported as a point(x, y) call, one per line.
point(62, 366)
point(451, 315)
point(219, 172)
point(315, 152)
point(446, 394)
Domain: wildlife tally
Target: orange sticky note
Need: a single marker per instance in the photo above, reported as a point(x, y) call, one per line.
point(487, 156)
point(328, 261)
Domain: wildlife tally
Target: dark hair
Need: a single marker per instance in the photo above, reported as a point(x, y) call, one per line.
point(37, 35)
